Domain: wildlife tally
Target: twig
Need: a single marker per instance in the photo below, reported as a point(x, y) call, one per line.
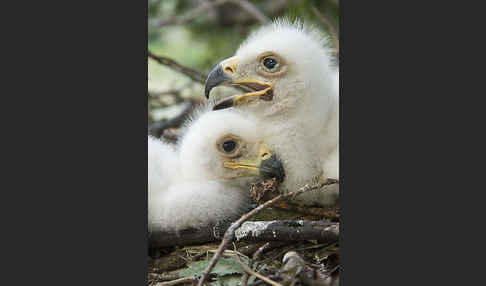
point(191, 73)
point(230, 253)
point(229, 234)
point(257, 253)
point(322, 245)
point(297, 270)
point(176, 92)
point(321, 212)
point(177, 281)
point(333, 270)
point(251, 272)
point(326, 22)
point(256, 256)
point(166, 92)
point(157, 128)
point(251, 9)
point(162, 277)
point(191, 14)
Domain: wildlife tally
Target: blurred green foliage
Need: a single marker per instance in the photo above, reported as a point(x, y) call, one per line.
point(210, 37)
point(200, 40)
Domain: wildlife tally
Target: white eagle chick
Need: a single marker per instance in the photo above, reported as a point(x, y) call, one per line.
point(206, 178)
point(295, 98)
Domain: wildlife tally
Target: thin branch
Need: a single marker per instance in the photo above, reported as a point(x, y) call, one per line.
point(332, 212)
point(173, 91)
point(157, 128)
point(251, 272)
point(177, 281)
point(229, 234)
point(230, 253)
point(191, 73)
point(156, 277)
point(191, 14)
point(257, 253)
point(333, 270)
point(326, 22)
point(252, 10)
point(256, 256)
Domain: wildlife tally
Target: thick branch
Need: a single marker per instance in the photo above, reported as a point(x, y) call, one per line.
point(190, 236)
point(288, 230)
point(254, 231)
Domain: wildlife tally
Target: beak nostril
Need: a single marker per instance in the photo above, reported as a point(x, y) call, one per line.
point(229, 70)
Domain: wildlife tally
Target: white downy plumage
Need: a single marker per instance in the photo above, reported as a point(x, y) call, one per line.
point(301, 121)
point(204, 179)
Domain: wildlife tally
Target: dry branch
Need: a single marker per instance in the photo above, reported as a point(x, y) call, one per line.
point(251, 272)
point(156, 129)
point(191, 14)
point(252, 10)
point(253, 231)
point(288, 230)
point(253, 248)
point(177, 281)
point(191, 73)
point(229, 234)
point(297, 270)
point(256, 256)
point(156, 277)
point(175, 92)
point(326, 22)
point(189, 236)
point(332, 213)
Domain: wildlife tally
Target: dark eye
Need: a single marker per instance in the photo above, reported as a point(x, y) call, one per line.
point(270, 63)
point(228, 146)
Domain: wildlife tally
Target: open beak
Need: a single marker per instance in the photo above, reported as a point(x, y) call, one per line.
point(226, 73)
point(265, 165)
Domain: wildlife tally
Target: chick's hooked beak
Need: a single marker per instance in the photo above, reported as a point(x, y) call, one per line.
point(226, 73)
point(265, 165)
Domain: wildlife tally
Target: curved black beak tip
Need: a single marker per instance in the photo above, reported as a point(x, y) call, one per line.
point(224, 103)
point(207, 90)
point(215, 77)
point(272, 168)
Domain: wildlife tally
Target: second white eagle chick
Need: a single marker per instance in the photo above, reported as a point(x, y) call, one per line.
point(295, 98)
point(206, 178)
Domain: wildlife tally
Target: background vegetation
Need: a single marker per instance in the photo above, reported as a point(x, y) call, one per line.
point(198, 33)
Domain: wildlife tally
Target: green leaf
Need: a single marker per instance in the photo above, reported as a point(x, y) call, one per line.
point(225, 266)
